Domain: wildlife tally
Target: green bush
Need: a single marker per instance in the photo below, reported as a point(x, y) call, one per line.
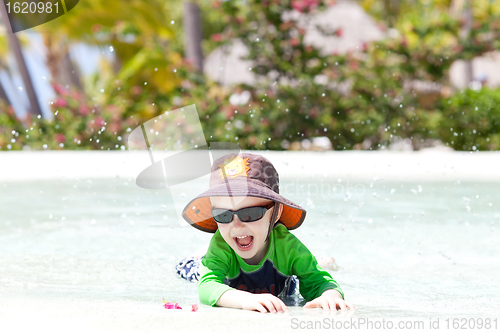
point(364, 101)
point(471, 120)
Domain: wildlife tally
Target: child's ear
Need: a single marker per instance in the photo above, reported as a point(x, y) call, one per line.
point(280, 211)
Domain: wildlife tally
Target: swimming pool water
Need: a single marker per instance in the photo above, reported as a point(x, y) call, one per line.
point(405, 249)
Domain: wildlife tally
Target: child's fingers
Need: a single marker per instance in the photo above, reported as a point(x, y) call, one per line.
point(310, 304)
point(278, 303)
point(332, 304)
point(349, 305)
point(260, 308)
point(280, 306)
point(341, 304)
point(285, 308)
point(314, 304)
point(268, 304)
point(324, 303)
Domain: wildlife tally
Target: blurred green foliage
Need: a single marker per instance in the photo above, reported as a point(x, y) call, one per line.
point(470, 120)
point(364, 99)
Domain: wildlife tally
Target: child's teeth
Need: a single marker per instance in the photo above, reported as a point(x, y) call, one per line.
point(241, 238)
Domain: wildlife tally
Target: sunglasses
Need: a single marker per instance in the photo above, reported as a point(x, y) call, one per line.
point(248, 214)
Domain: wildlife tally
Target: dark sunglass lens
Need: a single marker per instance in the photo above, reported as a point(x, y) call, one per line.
point(222, 216)
point(250, 214)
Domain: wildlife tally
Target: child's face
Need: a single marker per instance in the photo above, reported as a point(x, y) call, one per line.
point(247, 239)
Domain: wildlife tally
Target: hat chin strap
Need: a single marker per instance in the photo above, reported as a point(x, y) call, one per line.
point(273, 218)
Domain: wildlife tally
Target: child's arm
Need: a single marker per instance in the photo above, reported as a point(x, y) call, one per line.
point(329, 300)
point(254, 302)
point(315, 283)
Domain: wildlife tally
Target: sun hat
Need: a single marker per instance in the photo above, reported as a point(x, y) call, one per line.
point(242, 175)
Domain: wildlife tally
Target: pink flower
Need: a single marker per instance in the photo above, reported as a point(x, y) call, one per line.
point(295, 41)
point(304, 5)
point(60, 137)
point(194, 307)
point(61, 102)
point(136, 90)
point(76, 95)
point(169, 305)
point(339, 32)
point(113, 109)
point(216, 37)
point(84, 110)
point(100, 121)
point(60, 90)
point(114, 127)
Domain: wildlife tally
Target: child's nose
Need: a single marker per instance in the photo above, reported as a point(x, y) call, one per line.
point(237, 222)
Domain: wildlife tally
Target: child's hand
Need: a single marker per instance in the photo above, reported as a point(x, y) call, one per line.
point(329, 300)
point(240, 299)
point(263, 303)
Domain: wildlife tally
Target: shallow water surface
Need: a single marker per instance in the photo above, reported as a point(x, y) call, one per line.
point(404, 250)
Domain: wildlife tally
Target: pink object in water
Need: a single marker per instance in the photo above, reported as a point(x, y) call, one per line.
point(194, 307)
point(169, 305)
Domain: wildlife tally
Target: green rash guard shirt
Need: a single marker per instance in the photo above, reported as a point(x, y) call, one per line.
point(222, 269)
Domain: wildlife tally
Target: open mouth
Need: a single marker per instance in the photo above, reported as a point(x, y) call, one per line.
point(244, 242)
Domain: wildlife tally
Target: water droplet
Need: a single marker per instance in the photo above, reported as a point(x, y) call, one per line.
point(111, 49)
point(20, 88)
point(102, 90)
point(172, 22)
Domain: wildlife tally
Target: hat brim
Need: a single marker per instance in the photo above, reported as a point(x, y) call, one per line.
point(198, 212)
